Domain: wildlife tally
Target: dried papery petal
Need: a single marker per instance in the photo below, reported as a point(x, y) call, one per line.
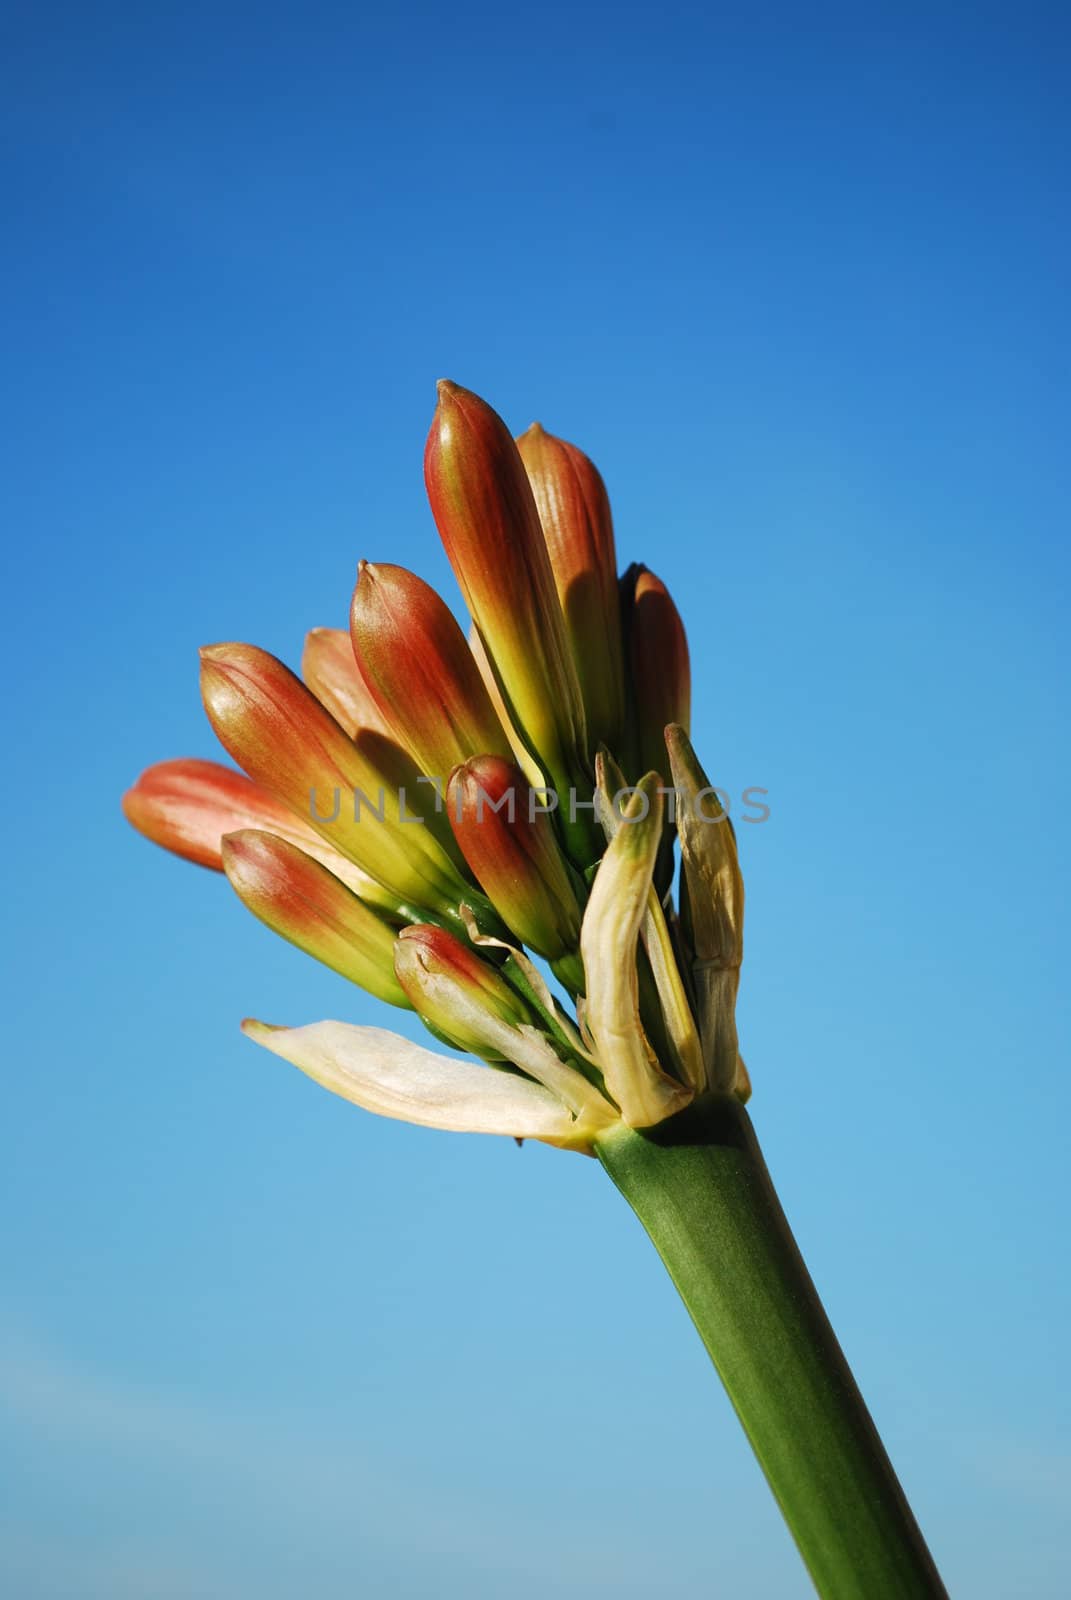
point(389, 1075)
point(608, 942)
point(680, 1028)
point(712, 908)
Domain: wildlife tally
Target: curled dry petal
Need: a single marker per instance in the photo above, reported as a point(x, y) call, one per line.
point(608, 942)
point(302, 901)
point(387, 1074)
point(420, 670)
point(712, 911)
point(673, 999)
point(574, 510)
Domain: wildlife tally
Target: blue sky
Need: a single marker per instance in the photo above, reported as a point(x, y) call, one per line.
point(797, 281)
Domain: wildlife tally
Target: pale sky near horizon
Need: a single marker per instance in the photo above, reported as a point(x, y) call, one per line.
point(798, 282)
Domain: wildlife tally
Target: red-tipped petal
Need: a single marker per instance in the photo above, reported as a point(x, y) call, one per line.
point(507, 838)
point(356, 794)
point(305, 903)
point(454, 990)
point(331, 672)
point(574, 510)
point(188, 806)
point(420, 670)
point(660, 669)
point(487, 518)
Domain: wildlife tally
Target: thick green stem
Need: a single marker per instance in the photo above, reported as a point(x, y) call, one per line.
point(699, 1185)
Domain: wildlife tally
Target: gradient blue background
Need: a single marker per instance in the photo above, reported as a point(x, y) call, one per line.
point(797, 278)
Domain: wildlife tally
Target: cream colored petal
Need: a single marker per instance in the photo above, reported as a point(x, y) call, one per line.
point(384, 1073)
point(608, 940)
point(672, 996)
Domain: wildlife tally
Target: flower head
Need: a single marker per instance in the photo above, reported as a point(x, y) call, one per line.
point(422, 808)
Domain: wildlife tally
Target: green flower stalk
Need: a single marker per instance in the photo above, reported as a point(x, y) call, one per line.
point(423, 811)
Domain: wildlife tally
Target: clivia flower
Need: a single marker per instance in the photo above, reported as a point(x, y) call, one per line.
point(421, 809)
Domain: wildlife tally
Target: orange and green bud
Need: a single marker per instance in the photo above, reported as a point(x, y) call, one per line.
point(420, 670)
point(487, 518)
point(660, 669)
point(329, 668)
point(505, 833)
point(188, 806)
point(574, 510)
point(301, 901)
point(362, 795)
point(458, 994)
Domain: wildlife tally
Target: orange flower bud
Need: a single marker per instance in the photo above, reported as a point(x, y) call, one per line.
point(301, 901)
point(458, 994)
point(188, 805)
point(507, 838)
point(660, 670)
point(329, 668)
point(420, 670)
point(487, 519)
point(574, 510)
point(361, 795)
